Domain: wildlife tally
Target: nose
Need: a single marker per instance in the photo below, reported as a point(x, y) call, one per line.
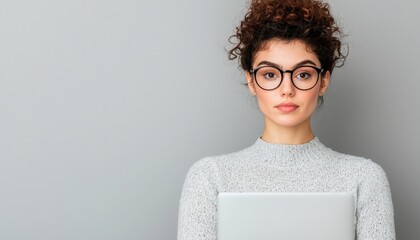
point(286, 87)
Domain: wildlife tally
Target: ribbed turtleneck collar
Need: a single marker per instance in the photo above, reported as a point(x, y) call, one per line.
point(306, 152)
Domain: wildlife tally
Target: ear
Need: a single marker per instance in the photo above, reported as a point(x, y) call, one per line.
point(250, 83)
point(325, 82)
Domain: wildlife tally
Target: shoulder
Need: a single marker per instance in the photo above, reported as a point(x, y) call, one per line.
point(213, 161)
point(200, 173)
point(366, 169)
point(373, 174)
point(207, 170)
point(344, 158)
point(211, 165)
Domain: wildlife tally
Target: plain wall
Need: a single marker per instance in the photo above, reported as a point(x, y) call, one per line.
point(104, 105)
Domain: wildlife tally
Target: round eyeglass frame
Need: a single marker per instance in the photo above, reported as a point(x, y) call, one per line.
point(282, 72)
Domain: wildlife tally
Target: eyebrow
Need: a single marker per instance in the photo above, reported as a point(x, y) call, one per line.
point(304, 62)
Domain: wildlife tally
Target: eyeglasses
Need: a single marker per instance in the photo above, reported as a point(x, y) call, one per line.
point(270, 77)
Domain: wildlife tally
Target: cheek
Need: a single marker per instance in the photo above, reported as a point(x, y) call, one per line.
point(310, 99)
point(267, 100)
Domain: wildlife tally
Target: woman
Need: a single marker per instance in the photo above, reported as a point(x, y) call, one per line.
point(288, 49)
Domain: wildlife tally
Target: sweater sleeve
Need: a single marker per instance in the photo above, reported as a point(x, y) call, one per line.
point(375, 214)
point(198, 204)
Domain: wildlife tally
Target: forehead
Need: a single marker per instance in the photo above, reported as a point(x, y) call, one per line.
point(285, 53)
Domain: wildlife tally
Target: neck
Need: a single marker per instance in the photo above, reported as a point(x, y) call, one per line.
point(293, 135)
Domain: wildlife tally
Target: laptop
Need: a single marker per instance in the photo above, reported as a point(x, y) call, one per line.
point(285, 216)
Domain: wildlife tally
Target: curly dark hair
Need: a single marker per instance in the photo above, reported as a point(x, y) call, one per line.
point(310, 21)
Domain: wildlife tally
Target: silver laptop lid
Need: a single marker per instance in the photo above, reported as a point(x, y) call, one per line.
point(288, 216)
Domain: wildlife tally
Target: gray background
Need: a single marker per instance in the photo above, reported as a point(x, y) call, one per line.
point(104, 105)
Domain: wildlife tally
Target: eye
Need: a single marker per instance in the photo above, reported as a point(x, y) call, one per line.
point(303, 75)
point(270, 75)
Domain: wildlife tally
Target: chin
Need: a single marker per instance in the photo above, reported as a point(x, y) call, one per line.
point(289, 122)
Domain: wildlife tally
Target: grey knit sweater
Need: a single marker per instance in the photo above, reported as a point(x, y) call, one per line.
point(266, 167)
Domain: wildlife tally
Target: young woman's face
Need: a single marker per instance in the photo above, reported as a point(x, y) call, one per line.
point(287, 106)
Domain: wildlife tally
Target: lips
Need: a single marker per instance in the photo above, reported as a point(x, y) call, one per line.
point(287, 107)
